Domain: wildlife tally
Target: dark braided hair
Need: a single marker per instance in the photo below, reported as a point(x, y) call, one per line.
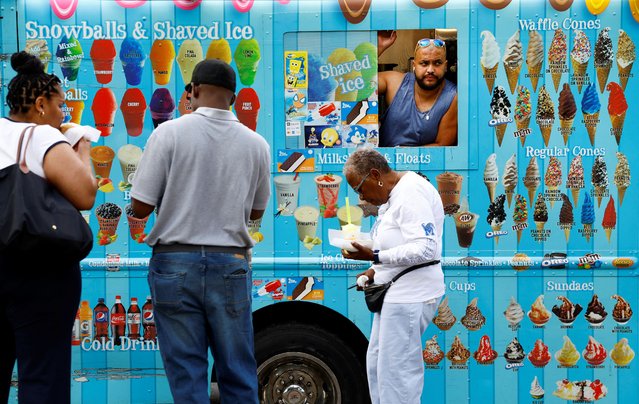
point(30, 83)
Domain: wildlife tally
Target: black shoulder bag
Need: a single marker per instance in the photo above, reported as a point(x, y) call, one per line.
point(35, 219)
point(374, 294)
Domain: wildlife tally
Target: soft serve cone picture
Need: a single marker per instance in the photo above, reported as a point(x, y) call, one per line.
point(603, 57)
point(540, 216)
point(162, 55)
point(609, 221)
point(513, 60)
point(625, 57)
point(535, 57)
point(622, 176)
point(247, 58)
point(557, 57)
point(500, 111)
point(189, 55)
point(491, 175)
point(567, 111)
point(617, 108)
point(103, 56)
point(69, 56)
point(579, 58)
point(587, 217)
point(511, 177)
point(532, 179)
point(590, 107)
point(132, 56)
point(566, 217)
point(496, 216)
point(523, 111)
point(552, 180)
point(489, 58)
point(520, 216)
point(599, 179)
point(575, 180)
point(545, 115)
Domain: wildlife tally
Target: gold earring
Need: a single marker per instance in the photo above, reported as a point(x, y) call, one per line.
point(41, 113)
point(381, 184)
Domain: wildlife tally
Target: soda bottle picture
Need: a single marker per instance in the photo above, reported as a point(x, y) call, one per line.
point(118, 320)
point(75, 334)
point(148, 320)
point(86, 320)
point(133, 319)
point(101, 320)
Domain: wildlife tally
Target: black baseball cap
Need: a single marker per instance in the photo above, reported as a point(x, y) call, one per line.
point(214, 72)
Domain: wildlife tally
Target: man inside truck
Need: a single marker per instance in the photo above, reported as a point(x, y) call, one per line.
point(422, 104)
point(208, 174)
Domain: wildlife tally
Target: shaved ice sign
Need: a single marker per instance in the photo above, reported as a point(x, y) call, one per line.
point(344, 70)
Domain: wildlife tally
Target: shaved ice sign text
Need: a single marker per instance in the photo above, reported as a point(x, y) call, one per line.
point(347, 69)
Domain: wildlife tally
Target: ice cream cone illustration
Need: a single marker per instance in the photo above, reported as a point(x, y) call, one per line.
point(552, 179)
point(590, 107)
point(600, 178)
point(189, 55)
point(132, 56)
point(340, 56)
point(523, 109)
point(496, 215)
point(532, 179)
point(557, 57)
point(247, 107)
point(500, 111)
point(103, 108)
point(575, 178)
point(69, 56)
point(40, 49)
point(610, 218)
point(489, 59)
point(219, 49)
point(513, 59)
point(603, 57)
point(540, 215)
point(545, 115)
point(162, 55)
point(567, 111)
point(520, 215)
point(622, 176)
point(566, 216)
point(534, 57)
point(491, 175)
point(587, 217)
point(510, 178)
point(625, 57)
point(162, 106)
point(103, 55)
point(247, 57)
point(579, 57)
point(133, 107)
point(617, 108)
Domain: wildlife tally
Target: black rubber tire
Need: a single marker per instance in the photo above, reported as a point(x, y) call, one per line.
point(317, 344)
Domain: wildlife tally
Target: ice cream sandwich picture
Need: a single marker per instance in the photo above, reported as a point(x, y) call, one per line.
point(305, 288)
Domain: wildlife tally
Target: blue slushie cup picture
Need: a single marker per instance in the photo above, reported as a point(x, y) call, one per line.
point(132, 56)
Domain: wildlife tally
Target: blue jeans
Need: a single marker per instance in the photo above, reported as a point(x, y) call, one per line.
point(203, 300)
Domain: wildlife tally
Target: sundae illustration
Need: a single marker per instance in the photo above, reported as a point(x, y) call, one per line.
point(432, 354)
point(567, 356)
point(445, 318)
point(458, 353)
point(567, 312)
point(514, 352)
point(595, 312)
point(473, 320)
point(485, 354)
point(514, 313)
point(539, 356)
point(538, 313)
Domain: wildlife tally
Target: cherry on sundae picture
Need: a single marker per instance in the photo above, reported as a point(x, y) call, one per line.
point(584, 390)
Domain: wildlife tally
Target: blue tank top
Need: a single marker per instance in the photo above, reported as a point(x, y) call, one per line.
point(405, 125)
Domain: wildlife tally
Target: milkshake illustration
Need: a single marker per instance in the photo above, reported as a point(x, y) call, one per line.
point(129, 156)
point(306, 221)
point(287, 191)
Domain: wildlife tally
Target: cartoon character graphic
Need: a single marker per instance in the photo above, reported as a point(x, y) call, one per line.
point(299, 102)
point(330, 137)
point(357, 135)
point(294, 67)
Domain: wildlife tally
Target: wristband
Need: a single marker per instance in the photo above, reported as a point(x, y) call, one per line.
point(376, 257)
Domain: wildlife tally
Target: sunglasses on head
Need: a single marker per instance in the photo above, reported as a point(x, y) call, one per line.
point(423, 43)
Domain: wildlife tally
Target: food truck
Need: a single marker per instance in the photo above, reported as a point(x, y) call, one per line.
point(540, 244)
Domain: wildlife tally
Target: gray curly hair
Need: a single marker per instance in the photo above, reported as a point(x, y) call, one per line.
point(363, 160)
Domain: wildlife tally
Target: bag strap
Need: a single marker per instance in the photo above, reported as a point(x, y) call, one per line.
point(22, 162)
point(412, 268)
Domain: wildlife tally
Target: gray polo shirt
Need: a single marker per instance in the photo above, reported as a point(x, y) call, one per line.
point(205, 172)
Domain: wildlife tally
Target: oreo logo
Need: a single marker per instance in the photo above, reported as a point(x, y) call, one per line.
point(555, 260)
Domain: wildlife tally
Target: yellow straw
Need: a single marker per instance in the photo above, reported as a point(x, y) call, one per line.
point(348, 211)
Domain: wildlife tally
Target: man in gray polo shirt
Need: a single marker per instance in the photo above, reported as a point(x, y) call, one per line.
point(207, 174)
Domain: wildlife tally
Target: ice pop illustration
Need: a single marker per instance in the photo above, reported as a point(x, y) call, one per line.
point(513, 59)
point(510, 177)
point(497, 215)
point(622, 176)
point(74, 109)
point(567, 312)
point(552, 178)
point(341, 56)
point(514, 352)
point(432, 353)
point(534, 57)
point(247, 107)
point(610, 218)
point(514, 313)
point(103, 108)
point(523, 110)
point(621, 353)
point(445, 318)
point(603, 57)
point(532, 179)
point(579, 57)
point(103, 55)
point(557, 57)
point(538, 313)
point(545, 115)
point(40, 49)
point(189, 54)
point(473, 320)
point(536, 392)
point(500, 111)
point(491, 175)
point(622, 311)
point(540, 215)
point(367, 51)
point(567, 111)
point(595, 312)
point(247, 57)
point(133, 107)
point(489, 58)
point(162, 106)
point(595, 353)
point(69, 56)
point(485, 354)
point(132, 56)
point(220, 49)
point(587, 216)
point(539, 356)
point(566, 217)
point(617, 107)
point(520, 215)
point(600, 178)
point(590, 107)
point(625, 57)
point(575, 178)
point(458, 353)
point(162, 55)
point(568, 355)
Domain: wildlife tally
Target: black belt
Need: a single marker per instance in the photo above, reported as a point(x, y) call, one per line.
point(170, 248)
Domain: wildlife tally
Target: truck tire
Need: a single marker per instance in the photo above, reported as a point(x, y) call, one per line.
point(301, 363)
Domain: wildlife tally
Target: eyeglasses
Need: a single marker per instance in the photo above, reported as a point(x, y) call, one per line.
point(423, 43)
point(359, 186)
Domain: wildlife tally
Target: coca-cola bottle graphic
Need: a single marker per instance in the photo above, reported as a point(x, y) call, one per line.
point(148, 320)
point(101, 320)
point(118, 320)
point(133, 319)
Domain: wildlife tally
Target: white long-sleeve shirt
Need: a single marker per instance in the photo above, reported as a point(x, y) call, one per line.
point(408, 231)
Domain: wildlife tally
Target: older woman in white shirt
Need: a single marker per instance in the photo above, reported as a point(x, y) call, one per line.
point(407, 232)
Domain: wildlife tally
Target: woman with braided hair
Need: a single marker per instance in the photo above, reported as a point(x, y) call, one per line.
point(39, 295)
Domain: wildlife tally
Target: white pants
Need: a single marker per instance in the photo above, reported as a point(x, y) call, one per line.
point(394, 359)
